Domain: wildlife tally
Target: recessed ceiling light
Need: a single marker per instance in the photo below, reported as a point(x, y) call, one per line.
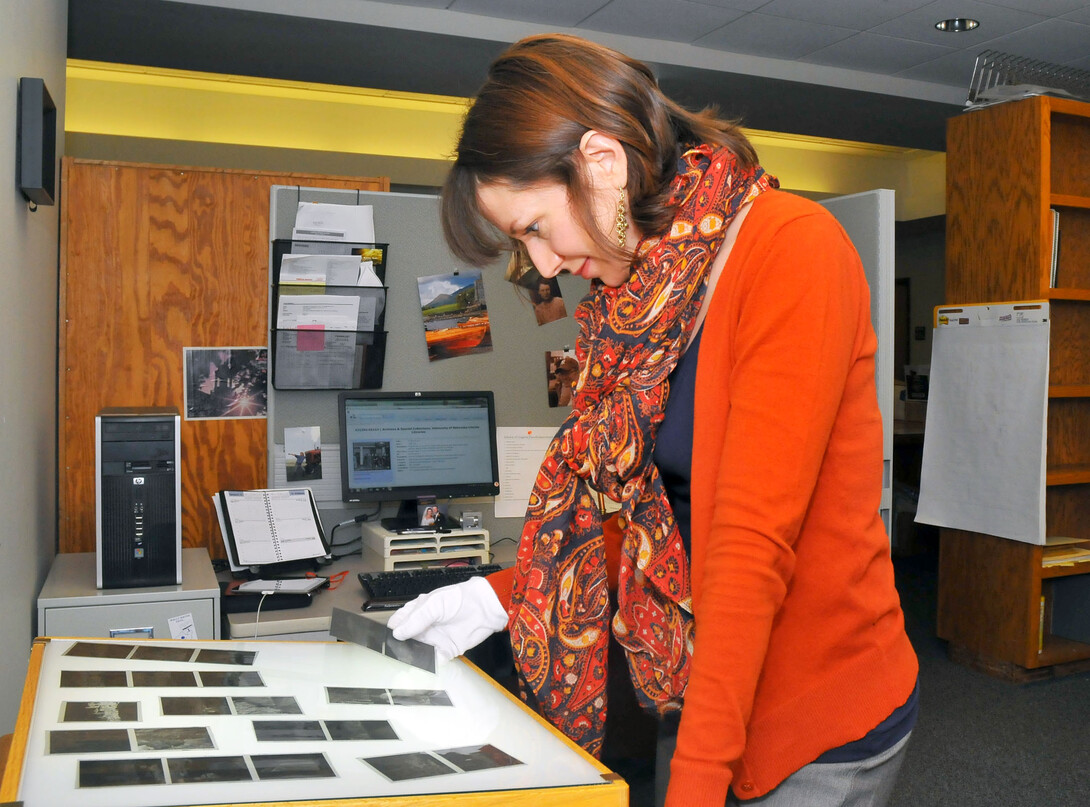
point(956, 25)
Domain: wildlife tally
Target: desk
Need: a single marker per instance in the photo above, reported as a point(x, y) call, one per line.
point(312, 623)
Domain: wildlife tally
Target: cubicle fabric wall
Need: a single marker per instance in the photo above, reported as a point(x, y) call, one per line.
point(514, 368)
point(155, 259)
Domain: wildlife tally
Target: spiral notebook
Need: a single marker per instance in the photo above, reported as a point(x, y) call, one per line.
point(265, 527)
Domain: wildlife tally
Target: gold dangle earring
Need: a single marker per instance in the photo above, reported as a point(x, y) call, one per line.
point(622, 221)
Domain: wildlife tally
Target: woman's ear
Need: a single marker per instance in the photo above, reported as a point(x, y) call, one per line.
point(605, 158)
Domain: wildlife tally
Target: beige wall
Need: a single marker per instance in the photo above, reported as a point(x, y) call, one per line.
point(32, 43)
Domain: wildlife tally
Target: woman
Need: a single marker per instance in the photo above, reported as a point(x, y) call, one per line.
point(727, 400)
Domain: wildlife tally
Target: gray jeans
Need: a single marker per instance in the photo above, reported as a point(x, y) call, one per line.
point(864, 783)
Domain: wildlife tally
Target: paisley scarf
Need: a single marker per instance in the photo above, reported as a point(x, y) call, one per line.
point(629, 341)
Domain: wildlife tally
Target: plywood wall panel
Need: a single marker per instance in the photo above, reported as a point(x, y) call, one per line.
point(155, 259)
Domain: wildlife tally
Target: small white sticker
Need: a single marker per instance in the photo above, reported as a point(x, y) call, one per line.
point(182, 627)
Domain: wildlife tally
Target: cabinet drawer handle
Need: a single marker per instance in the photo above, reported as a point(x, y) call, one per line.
point(133, 633)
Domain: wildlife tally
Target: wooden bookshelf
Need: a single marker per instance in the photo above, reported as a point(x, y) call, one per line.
point(1008, 167)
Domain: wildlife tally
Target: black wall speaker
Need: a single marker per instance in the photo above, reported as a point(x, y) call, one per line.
point(36, 142)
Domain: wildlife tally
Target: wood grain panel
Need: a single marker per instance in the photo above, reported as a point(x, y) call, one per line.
point(1068, 435)
point(995, 219)
point(1069, 342)
point(1070, 142)
point(155, 259)
point(977, 574)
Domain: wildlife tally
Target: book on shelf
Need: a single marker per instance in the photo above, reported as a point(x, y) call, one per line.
point(1055, 247)
point(270, 526)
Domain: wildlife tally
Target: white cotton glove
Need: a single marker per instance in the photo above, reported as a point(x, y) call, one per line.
point(452, 619)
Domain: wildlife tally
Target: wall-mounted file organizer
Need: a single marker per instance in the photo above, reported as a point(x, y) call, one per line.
point(328, 314)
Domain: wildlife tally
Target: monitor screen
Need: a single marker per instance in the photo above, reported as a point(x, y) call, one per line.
point(401, 446)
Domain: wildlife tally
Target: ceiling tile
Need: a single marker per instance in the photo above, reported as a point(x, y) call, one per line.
point(425, 3)
point(1079, 15)
point(858, 15)
point(773, 37)
point(954, 69)
point(733, 5)
point(561, 13)
point(1049, 7)
point(673, 20)
point(876, 54)
point(1051, 41)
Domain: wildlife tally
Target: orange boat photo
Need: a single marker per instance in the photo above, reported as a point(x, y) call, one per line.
point(455, 315)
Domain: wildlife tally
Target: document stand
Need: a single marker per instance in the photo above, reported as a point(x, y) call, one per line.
point(317, 358)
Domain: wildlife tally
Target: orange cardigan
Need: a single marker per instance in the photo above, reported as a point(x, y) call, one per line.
point(800, 644)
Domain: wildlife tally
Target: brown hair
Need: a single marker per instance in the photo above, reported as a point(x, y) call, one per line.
point(541, 95)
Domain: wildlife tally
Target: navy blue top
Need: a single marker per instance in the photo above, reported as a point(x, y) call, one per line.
point(674, 458)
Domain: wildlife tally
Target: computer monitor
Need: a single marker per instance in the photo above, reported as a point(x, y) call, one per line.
point(413, 446)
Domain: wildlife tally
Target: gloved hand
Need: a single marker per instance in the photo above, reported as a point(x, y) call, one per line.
point(452, 619)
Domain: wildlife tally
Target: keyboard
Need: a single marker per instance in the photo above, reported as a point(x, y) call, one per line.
point(385, 591)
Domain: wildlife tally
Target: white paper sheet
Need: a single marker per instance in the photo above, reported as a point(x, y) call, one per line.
point(324, 270)
point(328, 312)
point(316, 221)
point(983, 465)
point(520, 451)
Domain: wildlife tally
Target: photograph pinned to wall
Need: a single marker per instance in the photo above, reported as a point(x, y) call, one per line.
point(303, 453)
point(455, 314)
point(548, 304)
point(561, 373)
point(542, 292)
point(226, 382)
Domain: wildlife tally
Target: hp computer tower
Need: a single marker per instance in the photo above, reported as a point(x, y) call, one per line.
point(138, 497)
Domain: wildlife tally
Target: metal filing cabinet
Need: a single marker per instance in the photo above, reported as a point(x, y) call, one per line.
point(71, 605)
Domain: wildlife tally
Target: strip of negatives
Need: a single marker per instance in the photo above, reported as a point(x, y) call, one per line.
point(121, 650)
point(323, 730)
point(101, 741)
point(98, 679)
point(215, 705)
point(193, 770)
point(388, 697)
point(366, 632)
point(421, 764)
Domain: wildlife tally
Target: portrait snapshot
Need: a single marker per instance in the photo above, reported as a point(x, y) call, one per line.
point(548, 304)
point(226, 382)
